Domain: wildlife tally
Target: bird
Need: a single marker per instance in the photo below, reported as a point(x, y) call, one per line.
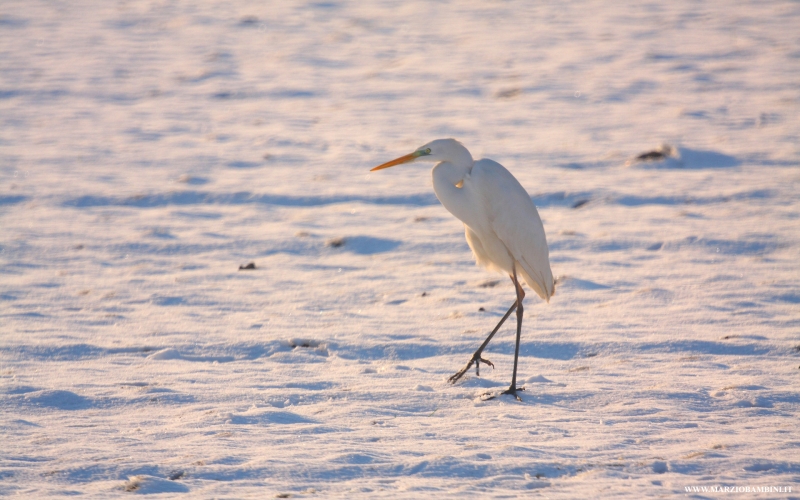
point(501, 224)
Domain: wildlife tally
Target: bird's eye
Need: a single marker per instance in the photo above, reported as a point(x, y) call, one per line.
point(428, 150)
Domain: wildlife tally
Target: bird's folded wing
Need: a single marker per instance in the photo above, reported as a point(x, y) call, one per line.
point(516, 222)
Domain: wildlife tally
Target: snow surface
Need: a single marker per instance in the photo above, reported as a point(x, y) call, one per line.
point(149, 149)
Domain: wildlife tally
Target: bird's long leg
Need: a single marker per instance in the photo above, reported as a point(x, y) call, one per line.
point(476, 358)
point(520, 295)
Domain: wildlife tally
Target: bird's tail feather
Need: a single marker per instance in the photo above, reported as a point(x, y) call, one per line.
point(544, 286)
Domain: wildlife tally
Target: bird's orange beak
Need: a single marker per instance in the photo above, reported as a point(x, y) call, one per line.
point(403, 159)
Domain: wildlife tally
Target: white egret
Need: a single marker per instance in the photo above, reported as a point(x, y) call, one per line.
point(502, 226)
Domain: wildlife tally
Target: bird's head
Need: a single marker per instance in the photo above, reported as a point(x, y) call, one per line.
point(449, 150)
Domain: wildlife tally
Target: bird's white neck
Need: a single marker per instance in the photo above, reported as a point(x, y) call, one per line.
point(449, 183)
point(449, 172)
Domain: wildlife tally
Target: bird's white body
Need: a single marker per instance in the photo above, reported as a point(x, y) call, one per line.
point(503, 227)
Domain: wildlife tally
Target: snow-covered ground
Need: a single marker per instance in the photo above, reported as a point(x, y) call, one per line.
point(149, 149)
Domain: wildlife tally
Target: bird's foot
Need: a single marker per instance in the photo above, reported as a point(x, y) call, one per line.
point(478, 365)
point(476, 360)
point(513, 391)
